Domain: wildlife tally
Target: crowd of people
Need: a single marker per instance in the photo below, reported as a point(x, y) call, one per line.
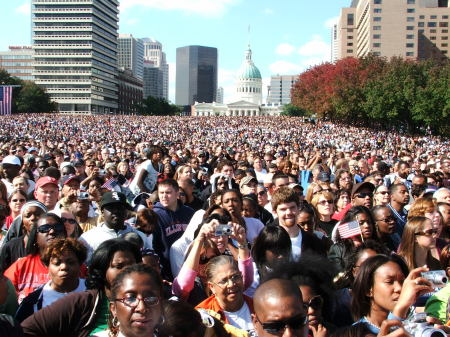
point(185, 226)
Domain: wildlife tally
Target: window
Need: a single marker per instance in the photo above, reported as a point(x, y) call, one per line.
point(411, 2)
point(444, 37)
point(420, 31)
point(410, 10)
point(422, 17)
point(410, 45)
point(421, 24)
point(377, 2)
point(445, 31)
point(433, 17)
point(409, 53)
point(445, 17)
point(350, 20)
point(431, 24)
point(444, 45)
point(377, 18)
point(350, 30)
point(432, 30)
point(350, 37)
point(409, 27)
point(410, 19)
point(432, 37)
point(410, 36)
point(376, 53)
point(377, 10)
point(377, 36)
point(349, 44)
point(376, 27)
point(443, 24)
point(377, 45)
point(349, 50)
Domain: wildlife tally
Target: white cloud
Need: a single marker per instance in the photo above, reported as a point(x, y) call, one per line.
point(330, 22)
point(24, 9)
point(268, 11)
point(227, 80)
point(208, 8)
point(285, 49)
point(132, 22)
point(282, 67)
point(315, 47)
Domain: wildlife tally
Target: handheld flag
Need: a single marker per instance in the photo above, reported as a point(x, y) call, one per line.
point(349, 229)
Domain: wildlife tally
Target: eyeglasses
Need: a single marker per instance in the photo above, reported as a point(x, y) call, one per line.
point(364, 195)
point(315, 302)
point(388, 219)
point(278, 327)
point(233, 278)
point(383, 192)
point(261, 193)
point(133, 301)
point(429, 232)
point(324, 202)
point(59, 228)
point(71, 221)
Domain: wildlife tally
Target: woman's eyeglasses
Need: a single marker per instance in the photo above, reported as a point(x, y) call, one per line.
point(133, 301)
point(18, 200)
point(233, 278)
point(278, 327)
point(382, 192)
point(71, 221)
point(429, 232)
point(59, 228)
point(324, 202)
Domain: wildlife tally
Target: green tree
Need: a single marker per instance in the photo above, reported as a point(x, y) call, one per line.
point(153, 106)
point(32, 99)
point(7, 79)
point(292, 110)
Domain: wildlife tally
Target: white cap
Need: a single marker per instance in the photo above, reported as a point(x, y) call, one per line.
point(13, 160)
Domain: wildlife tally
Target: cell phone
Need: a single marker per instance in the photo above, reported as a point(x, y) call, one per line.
point(222, 229)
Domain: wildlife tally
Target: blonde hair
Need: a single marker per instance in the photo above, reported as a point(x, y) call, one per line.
point(421, 206)
point(414, 225)
point(179, 170)
point(326, 194)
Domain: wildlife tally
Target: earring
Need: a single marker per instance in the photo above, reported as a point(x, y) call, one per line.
point(115, 322)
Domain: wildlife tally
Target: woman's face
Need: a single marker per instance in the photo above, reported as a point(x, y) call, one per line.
point(435, 218)
point(221, 241)
point(221, 184)
point(365, 225)
point(16, 203)
point(64, 270)
point(345, 181)
point(120, 260)
point(387, 285)
point(382, 196)
point(248, 210)
point(426, 238)
point(142, 319)
point(263, 198)
point(232, 203)
point(186, 173)
point(48, 229)
point(305, 221)
point(20, 184)
point(122, 168)
point(227, 284)
point(31, 216)
point(314, 302)
point(343, 201)
point(325, 206)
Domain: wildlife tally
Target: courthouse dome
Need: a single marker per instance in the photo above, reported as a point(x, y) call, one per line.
point(248, 69)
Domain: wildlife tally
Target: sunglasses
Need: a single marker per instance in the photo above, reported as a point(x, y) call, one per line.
point(315, 303)
point(364, 195)
point(71, 221)
point(59, 228)
point(429, 232)
point(383, 192)
point(261, 193)
point(278, 327)
point(18, 200)
point(324, 202)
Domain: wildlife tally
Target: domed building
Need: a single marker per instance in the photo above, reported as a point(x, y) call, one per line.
point(249, 81)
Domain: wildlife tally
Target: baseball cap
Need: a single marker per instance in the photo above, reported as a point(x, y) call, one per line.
point(246, 180)
point(67, 179)
point(114, 198)
point(44, 181)
point(78, 162)
point(362, 185)
point(323, 176)
point(12, 160)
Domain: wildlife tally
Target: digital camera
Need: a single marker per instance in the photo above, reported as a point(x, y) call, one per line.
point(437, 278)
point(223, 229)
point(417, 326)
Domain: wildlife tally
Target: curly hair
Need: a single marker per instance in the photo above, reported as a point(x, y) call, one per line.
point(61, 246)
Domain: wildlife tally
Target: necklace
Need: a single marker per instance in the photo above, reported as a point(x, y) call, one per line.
point(370, 323)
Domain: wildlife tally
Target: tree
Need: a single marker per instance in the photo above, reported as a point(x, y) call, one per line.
point(7, 79)
point(33, 98)
point(154, 106)
point(292, 110)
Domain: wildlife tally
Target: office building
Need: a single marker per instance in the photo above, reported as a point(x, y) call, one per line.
point(156, 69)
point(416, 29)
point(18, 62)
point(130, 92)
point(219, 96)
point(196, 76)
point(130, 55)
point(75, 53)
point(280, 89)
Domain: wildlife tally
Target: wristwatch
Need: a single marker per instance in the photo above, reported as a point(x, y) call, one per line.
point(244, 246)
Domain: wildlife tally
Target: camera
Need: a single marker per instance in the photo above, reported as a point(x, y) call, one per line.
point(83, 196)
point(222, 229)
point(417, 326)
point(437, 278)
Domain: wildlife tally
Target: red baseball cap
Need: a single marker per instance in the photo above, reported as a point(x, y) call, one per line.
point(44, 181)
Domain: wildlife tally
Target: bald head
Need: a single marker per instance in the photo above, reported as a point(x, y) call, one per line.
point(273, 290)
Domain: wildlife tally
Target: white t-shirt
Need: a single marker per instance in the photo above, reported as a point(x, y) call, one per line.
point(49, 295)
point(254, 226)
point(240, 319)
point(149, 180)
point(297, 246)
point(261, 175)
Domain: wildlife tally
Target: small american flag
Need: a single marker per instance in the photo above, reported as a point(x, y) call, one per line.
point(5, 99)
point(349, 229)
point(110, 184)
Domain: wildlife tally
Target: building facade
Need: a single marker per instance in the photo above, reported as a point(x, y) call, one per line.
point(219, 96)
point(156, 70)
point(416, 29)
point(196, 76)
point(280, 89)
point(130, 92)
point(130, 55)
point(75, 53)
point(249, 81)
point(18, 62)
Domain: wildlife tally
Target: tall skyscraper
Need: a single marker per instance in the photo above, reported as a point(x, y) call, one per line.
point(219, 96)
point(416, 29)
point(75, 59)
point(18, 62)
point(196, 78)
point(156, 70)
point(280, 89)
point(131, 55)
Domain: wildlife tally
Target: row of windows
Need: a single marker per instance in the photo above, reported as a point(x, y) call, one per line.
point(246, 89)
point(16, 57)
point(15, 64)
point(408, 45)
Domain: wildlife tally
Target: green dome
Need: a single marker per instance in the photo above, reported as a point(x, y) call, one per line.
point(248, 69)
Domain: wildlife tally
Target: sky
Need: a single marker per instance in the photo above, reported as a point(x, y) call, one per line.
point(286, 36)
